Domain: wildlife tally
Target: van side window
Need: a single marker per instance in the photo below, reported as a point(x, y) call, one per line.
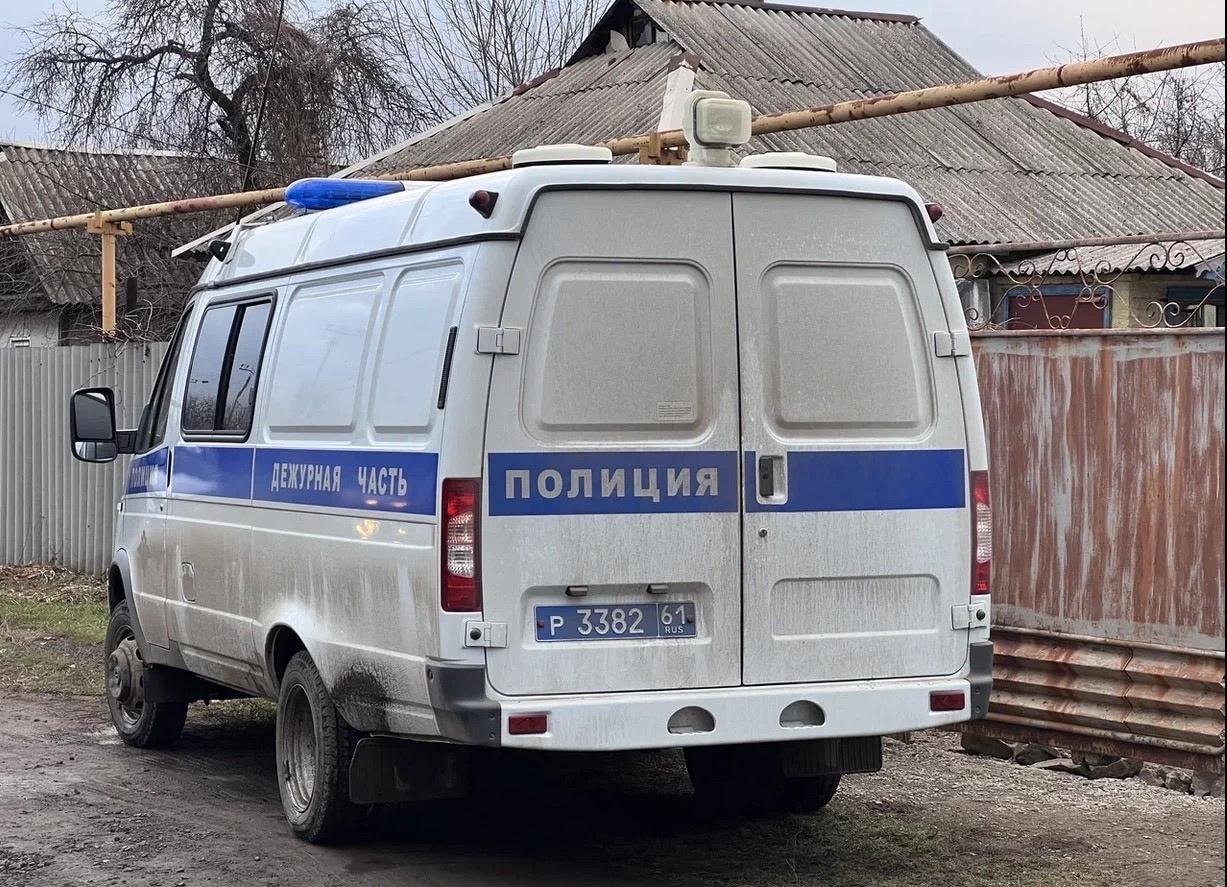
point(153, 422)
point(221, 384)
point(240, 399)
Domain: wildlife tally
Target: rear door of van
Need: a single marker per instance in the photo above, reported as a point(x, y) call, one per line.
point(723, 450)
point(611, 539)
point(856, 534)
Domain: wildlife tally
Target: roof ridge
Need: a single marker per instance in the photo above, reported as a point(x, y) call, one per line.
point(893, 17)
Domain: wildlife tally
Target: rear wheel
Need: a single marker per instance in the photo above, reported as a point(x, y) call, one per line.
point(751, 779)
point(139, 723)
point(314, 748)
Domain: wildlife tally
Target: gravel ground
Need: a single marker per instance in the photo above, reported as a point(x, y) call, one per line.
point(78, 807)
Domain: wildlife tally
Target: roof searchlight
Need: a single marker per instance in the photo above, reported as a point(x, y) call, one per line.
point(714, 125)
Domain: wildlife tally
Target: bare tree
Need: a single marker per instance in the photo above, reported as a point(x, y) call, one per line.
point(194, 74)
point(1179, 112)
point(460, 53)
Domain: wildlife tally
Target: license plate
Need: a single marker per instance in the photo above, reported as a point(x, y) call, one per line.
point(615, 622)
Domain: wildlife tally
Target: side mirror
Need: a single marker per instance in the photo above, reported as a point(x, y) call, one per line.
point(91, 425)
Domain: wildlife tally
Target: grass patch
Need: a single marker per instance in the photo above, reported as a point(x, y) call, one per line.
point(30, 665)
point(84, 623)
point(52, 623)
point(237, 712)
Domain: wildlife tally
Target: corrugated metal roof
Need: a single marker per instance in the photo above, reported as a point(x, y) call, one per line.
point(38, 183)
point(1003, 170)
point(594, 99)
point(1194, 256)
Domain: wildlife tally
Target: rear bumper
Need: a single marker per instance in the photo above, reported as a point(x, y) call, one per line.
point(616, 721)
point(469, 711)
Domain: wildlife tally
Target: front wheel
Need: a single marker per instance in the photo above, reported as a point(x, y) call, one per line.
point(750, 779)
point(139, 723)
point(314, 748)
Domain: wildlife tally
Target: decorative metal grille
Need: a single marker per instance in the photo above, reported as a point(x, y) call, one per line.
point(1021, 283)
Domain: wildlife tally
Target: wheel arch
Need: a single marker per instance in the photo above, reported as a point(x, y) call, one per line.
point(119, 589)
point(280, 645)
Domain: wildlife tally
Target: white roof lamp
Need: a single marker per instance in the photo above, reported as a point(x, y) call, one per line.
point(714, 125)
point(548, 155)
point(788, 160)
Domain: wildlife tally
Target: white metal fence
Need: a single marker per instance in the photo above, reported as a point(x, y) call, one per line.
point(54, 509)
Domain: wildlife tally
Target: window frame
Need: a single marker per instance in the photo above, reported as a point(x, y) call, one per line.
point(163, 383)
point(239, 302)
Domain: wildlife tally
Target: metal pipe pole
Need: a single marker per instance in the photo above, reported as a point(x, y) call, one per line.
point(1072, 74)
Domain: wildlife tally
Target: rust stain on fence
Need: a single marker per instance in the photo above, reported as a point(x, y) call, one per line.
point(1157, 703)
point(1107, 458)
point(1107, 452)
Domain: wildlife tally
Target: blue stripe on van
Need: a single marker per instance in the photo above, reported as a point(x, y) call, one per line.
point(372, 480)
point(222, 471)
point(866, 480)
point(147, 473)
point(690, 481)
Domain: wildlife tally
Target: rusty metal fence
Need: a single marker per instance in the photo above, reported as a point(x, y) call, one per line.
point(1106, 449)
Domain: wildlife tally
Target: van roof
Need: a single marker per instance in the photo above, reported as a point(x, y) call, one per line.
point(427, 214)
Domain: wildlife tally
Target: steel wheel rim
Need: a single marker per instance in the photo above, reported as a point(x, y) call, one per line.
point(130, 715)
point(299, 752)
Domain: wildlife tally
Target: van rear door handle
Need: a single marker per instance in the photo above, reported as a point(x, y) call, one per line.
point(772, 483)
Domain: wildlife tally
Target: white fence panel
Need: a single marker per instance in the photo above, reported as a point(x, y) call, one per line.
point(54, 509)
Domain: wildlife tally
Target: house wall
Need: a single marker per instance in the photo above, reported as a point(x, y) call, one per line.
point(1134, 292)
point(42, 328)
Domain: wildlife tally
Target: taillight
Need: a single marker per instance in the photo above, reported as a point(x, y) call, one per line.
point(981, 534)
point(459, 579)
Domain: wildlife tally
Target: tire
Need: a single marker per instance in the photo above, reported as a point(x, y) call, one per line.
point(750, 779)
point(314, 748)
point(812, 793)
point(141, 724)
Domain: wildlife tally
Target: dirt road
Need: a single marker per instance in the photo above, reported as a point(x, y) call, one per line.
point(77, 807)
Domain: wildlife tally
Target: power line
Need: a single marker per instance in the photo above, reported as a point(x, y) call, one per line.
point(255, 138)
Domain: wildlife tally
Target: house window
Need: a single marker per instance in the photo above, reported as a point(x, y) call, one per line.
point(1059, 306)
point(1193, 306)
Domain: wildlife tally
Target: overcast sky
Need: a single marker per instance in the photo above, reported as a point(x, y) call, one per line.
point(997, 38)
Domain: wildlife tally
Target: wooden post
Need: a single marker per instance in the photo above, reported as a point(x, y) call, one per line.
point(107, 232)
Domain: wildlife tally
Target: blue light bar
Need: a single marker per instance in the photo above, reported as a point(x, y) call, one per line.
point(330, 193)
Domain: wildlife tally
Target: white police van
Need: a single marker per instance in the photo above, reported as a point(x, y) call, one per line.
point(573, 456)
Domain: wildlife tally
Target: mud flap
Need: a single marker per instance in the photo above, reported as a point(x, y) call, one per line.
point(161, 683)
point(980, 676)
point(826, 757)
point(386, 770)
